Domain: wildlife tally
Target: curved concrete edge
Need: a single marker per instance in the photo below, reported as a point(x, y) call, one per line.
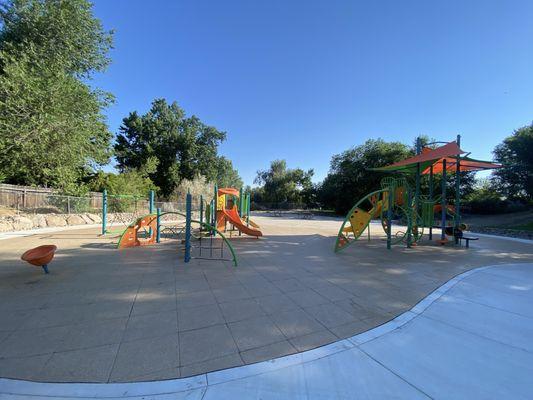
point(200, 383)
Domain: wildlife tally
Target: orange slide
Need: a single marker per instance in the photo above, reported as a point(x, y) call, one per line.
point(233, 218)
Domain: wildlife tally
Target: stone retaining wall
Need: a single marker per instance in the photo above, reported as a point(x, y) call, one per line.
point(24, 222)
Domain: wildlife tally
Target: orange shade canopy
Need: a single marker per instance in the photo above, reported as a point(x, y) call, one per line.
point(230, 191)
point(434, 158)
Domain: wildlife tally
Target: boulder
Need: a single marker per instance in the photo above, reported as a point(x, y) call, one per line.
point(39, 221)
point(94, 218)
point(86, 219)
point(21, 223)
point(6, 225)
point(75, 220)
point(55, 220)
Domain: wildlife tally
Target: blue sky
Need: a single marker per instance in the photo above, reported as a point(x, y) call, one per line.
point(303, 80)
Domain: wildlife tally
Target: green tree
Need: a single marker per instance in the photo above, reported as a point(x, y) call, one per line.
point(52, 131)
point(227, 176)
point(515, 153)
point(349, 177)
point(281, 184)
point(168, 146)
point(130, 182)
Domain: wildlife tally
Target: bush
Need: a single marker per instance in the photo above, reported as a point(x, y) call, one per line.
point(486, 200)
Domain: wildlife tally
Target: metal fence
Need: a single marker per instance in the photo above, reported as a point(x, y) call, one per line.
point(255, 206)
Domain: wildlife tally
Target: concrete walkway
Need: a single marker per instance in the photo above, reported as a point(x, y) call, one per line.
point(470, 339)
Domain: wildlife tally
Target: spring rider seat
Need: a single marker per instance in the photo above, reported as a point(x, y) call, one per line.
point(40, 256)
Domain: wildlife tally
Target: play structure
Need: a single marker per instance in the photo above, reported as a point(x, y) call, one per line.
point(119, 210)
point(400, 198)
point(40, 256)
point(203, 238)
point(231, 204)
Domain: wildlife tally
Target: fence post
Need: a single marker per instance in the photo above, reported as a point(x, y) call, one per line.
point(68, 205)
point(158, 222)
point(104, 212)
point(188, 228)
point(24, 198)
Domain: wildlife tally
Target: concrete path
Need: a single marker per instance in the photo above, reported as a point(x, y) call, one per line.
point(469, 339)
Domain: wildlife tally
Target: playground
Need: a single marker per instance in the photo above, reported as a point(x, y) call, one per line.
point(141, 314)
point(161, 291)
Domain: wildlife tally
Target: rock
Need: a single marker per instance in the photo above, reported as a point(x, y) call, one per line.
point(94, 218)
point(6, 225)
point(39, 221)
point(86, 219)
point(55, 220)
point(21, 223)
point(75, 220)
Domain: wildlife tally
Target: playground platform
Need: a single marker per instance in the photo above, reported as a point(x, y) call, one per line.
point(141, 314)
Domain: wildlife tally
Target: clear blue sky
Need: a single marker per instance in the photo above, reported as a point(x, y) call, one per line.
point(303, 80)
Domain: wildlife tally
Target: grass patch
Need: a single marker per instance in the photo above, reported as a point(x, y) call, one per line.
point(522, 227)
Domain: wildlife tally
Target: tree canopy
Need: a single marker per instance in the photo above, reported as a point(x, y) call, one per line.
point(515, 178)
point(349, 177)
point(283, 185)
point(52, 131)
point(170, 147)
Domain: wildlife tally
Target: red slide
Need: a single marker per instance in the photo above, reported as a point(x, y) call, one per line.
point(233, 217)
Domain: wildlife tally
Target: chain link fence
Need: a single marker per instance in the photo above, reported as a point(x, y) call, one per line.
point(27, 200)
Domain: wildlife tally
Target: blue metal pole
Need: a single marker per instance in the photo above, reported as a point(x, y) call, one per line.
point(151, 206)
point(158, 232)
point(215, 213)
point(151, 197)
point(104, 212)
point(188, 218)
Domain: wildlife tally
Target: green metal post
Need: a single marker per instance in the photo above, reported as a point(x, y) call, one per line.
point(188, 218)
point(417, 185)
point(158, 224)
point(248, 202)
point(151, 201)
point(458, 188)
point(431, 199)
point(443, 201)
point(201, 212)
point(241, 202)
point(389, 219)
point(104, 212)
point(410, 214)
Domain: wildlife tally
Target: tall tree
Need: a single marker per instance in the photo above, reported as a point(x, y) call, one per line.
point(227, 176)
point(349, 177)
point(167, 146)
point(515, 178)
point(52, 130)
point(283, 185)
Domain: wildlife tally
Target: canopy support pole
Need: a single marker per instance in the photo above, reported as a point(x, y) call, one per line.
point(443, 201)
point(458, 189)
point(417, 191)
point(431, 199)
